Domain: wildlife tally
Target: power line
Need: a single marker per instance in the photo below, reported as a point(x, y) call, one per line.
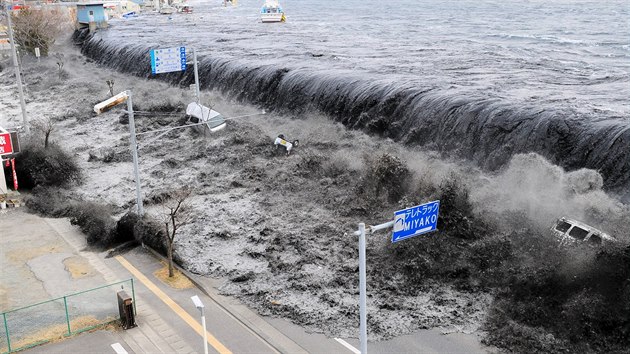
point(195, 124)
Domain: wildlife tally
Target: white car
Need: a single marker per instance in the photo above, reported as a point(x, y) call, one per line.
point(570, 231)
point(198, 113)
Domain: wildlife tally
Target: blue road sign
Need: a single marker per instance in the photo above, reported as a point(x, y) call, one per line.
point(415, 221)
point(168, 60)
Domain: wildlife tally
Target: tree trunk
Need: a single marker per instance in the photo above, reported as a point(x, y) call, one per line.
point(170, 260)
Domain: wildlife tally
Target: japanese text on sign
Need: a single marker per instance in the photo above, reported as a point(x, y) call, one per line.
point(168, 60)
point(5, 144)
point(415, 221)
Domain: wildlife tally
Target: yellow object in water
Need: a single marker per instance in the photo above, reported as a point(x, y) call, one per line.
point(283, 19)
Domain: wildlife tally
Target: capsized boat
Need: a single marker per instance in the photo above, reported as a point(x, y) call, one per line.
point(271, 11)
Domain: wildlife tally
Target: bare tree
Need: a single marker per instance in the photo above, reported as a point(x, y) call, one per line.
point(38, 28)
point(60, 64)
point(176, 214)
point(46, 127)
point(110, 84)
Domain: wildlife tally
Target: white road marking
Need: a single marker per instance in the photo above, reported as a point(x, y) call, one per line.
point(119, 348)
point(347, 345)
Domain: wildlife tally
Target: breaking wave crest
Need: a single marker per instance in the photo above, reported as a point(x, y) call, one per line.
point(485, 130)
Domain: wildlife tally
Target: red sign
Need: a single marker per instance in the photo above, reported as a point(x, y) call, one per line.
point(6, 147)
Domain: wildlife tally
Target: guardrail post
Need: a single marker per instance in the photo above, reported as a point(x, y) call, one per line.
point(65, 303)
point(6, 330)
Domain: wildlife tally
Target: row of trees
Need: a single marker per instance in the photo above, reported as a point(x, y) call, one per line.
point(39, 28)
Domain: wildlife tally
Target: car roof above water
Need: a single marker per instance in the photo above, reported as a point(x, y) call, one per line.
point(590, 229)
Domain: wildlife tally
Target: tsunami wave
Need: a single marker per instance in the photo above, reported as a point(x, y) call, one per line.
point(488, 131)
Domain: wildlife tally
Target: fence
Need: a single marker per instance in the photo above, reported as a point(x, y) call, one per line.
point(39, 323)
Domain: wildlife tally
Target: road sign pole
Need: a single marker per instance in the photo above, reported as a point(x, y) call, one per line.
point(422, 219)
point(134, 152)
point(197, 93)
point(362, 290)
point(18, 75)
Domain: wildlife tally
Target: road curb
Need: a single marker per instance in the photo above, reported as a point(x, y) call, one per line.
point(277, 340)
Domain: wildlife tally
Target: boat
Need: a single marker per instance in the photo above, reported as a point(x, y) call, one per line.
point(185, 9)
point(167, 10)
point(271, 11)
point(130, 14)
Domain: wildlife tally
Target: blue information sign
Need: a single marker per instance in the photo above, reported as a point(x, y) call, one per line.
point(168, 60)
point(415, 221)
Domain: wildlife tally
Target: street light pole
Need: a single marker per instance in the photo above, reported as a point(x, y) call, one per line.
point(199, 305)
point(205, 333)
point(134, 152)
point(16, 66)
point(107, 105)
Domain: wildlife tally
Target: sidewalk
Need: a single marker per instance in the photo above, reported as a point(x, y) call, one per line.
point(44, 258)
point(152, 335)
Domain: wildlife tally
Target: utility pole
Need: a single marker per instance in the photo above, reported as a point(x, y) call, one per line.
point(18, 75)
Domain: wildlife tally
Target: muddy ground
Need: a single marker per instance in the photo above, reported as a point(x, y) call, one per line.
point(279, 228)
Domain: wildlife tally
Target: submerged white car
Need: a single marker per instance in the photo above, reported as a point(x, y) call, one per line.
point(570, 231)
point(198, 113)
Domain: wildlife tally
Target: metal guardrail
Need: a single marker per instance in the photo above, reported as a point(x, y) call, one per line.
point(39, 323)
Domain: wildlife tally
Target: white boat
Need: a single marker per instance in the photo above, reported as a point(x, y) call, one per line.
point(272, 12)
point(167, 10)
